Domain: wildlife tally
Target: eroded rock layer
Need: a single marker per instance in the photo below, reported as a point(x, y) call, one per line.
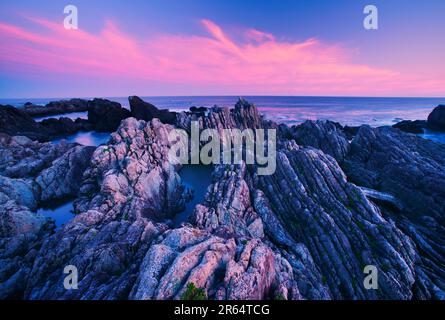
point(338, 201)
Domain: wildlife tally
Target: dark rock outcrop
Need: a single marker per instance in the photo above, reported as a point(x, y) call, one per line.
point(106, 115)
point(56, 107)
point(142, 110)
point(416, 126)
point(199, 111)
point(103, 115)
point(16, 122)
point(436, 119)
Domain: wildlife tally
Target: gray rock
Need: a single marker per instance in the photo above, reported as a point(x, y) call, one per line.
point(64, 177)
point(327, 136)
point(412, 170)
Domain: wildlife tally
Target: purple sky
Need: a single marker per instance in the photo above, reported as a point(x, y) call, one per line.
point(196, 47)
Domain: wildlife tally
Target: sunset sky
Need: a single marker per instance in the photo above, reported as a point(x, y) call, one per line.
point(212, 47)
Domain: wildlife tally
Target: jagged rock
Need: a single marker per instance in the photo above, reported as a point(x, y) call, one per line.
point(305, 232)
point(436, 119)
point(134, 174)
point(106, 115)
point(408, 167)
point(142, 110)
point(21, 157)
point(222, 268)
point(31, 172)
point(411, 169)
point(19, 190)
point(244, 116)
point(22, 233)
point(16, 122)
point(343, 231)
point(56, 107)
point(199, 111)
point(64, 177)
point(324, 135)
point(227, 209)
point(416, 126)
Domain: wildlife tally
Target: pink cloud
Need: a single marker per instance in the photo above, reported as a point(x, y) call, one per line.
point(260, 65)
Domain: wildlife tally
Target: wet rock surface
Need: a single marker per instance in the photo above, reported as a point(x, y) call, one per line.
point(339, 200)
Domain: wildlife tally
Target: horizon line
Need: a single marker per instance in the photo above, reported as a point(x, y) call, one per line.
point(228, 95)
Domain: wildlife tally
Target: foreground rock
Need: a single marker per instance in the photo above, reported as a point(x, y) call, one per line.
point(413, 171)
point(31, 173)
point(343, 231)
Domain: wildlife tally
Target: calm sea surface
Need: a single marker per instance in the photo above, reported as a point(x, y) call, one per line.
point(293, 110)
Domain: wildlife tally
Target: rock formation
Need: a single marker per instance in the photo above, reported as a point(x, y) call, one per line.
point(16, 122)
point(436, 119)
point(340, 199)
point(31, 173)
point(56, 107)
point(142, 110)
point(416, 126)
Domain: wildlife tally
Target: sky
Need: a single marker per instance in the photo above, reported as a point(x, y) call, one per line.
point(215, 47)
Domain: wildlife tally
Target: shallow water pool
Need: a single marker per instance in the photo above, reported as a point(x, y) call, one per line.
point(61, 212)
point(90, 138)
point(198, 177)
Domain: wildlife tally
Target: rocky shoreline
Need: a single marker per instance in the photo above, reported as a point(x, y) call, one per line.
point(341, 198)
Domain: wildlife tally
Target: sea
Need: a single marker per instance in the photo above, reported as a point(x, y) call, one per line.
point(351, 111)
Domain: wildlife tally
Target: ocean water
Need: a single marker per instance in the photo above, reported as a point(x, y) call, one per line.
point(352, 111)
